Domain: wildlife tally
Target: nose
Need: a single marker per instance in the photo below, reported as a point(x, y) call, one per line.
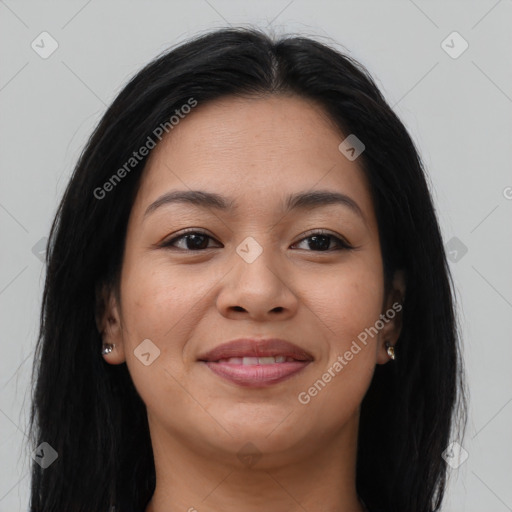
point(259, 289)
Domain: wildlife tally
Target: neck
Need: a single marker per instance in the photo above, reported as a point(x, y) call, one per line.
point(313, 476)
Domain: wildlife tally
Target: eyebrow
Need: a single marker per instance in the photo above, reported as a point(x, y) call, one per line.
point(300, 200)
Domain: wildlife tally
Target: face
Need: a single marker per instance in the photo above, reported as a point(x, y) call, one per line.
point(311, 275)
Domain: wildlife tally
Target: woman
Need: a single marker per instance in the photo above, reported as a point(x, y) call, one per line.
point(304, 355)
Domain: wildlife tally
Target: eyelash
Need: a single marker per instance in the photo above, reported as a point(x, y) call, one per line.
point(343, 245)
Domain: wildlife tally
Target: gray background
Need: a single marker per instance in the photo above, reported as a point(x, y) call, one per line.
point(458, 111)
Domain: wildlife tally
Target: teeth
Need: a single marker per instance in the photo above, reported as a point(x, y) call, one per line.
point(250, 360)
point(257, 360)
point(266, 360)
point(232, 360)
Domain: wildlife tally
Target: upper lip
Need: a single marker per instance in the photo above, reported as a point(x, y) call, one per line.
point(252, 347)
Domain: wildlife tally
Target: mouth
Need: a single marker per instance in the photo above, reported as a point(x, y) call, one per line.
point(247, 360)
point(256, 363)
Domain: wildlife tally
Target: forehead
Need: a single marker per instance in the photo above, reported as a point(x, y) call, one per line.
point(258, 148)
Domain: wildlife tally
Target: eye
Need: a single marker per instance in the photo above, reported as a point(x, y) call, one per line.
point(322, 241)
point(193, 241)
point(319, 241)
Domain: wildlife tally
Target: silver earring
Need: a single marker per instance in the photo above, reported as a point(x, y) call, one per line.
point(390, 349)
point(107, 348)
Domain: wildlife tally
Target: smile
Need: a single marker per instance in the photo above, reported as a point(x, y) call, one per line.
point(256, 372)
point(256, 362)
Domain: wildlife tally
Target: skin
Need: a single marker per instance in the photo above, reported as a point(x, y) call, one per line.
point(255, 151)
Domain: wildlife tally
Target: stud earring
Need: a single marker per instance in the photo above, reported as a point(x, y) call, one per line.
point(390, 349)
point(107, 348)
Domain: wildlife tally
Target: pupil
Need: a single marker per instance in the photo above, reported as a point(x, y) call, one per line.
point(324, 245)
point(196, 243)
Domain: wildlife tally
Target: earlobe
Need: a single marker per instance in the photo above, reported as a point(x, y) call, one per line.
point(108, 322)
point(393, 313)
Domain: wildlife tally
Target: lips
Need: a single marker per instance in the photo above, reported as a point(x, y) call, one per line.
point(256, 363)
point(252, 348)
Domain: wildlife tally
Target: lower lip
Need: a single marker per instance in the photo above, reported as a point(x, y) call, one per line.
point(257, 375)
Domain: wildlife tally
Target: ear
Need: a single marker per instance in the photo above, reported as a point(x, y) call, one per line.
point(391, 316)
point(108, 322)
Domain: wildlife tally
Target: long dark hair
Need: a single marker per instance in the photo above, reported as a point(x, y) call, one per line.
point(90, 412)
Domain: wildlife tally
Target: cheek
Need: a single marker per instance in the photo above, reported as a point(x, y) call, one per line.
point(159, 303)
point(349, 300)
point(347, 308)
point(356, 308)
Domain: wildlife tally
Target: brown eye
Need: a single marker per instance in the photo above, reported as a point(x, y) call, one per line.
point(193, 241)
point(321, 241)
